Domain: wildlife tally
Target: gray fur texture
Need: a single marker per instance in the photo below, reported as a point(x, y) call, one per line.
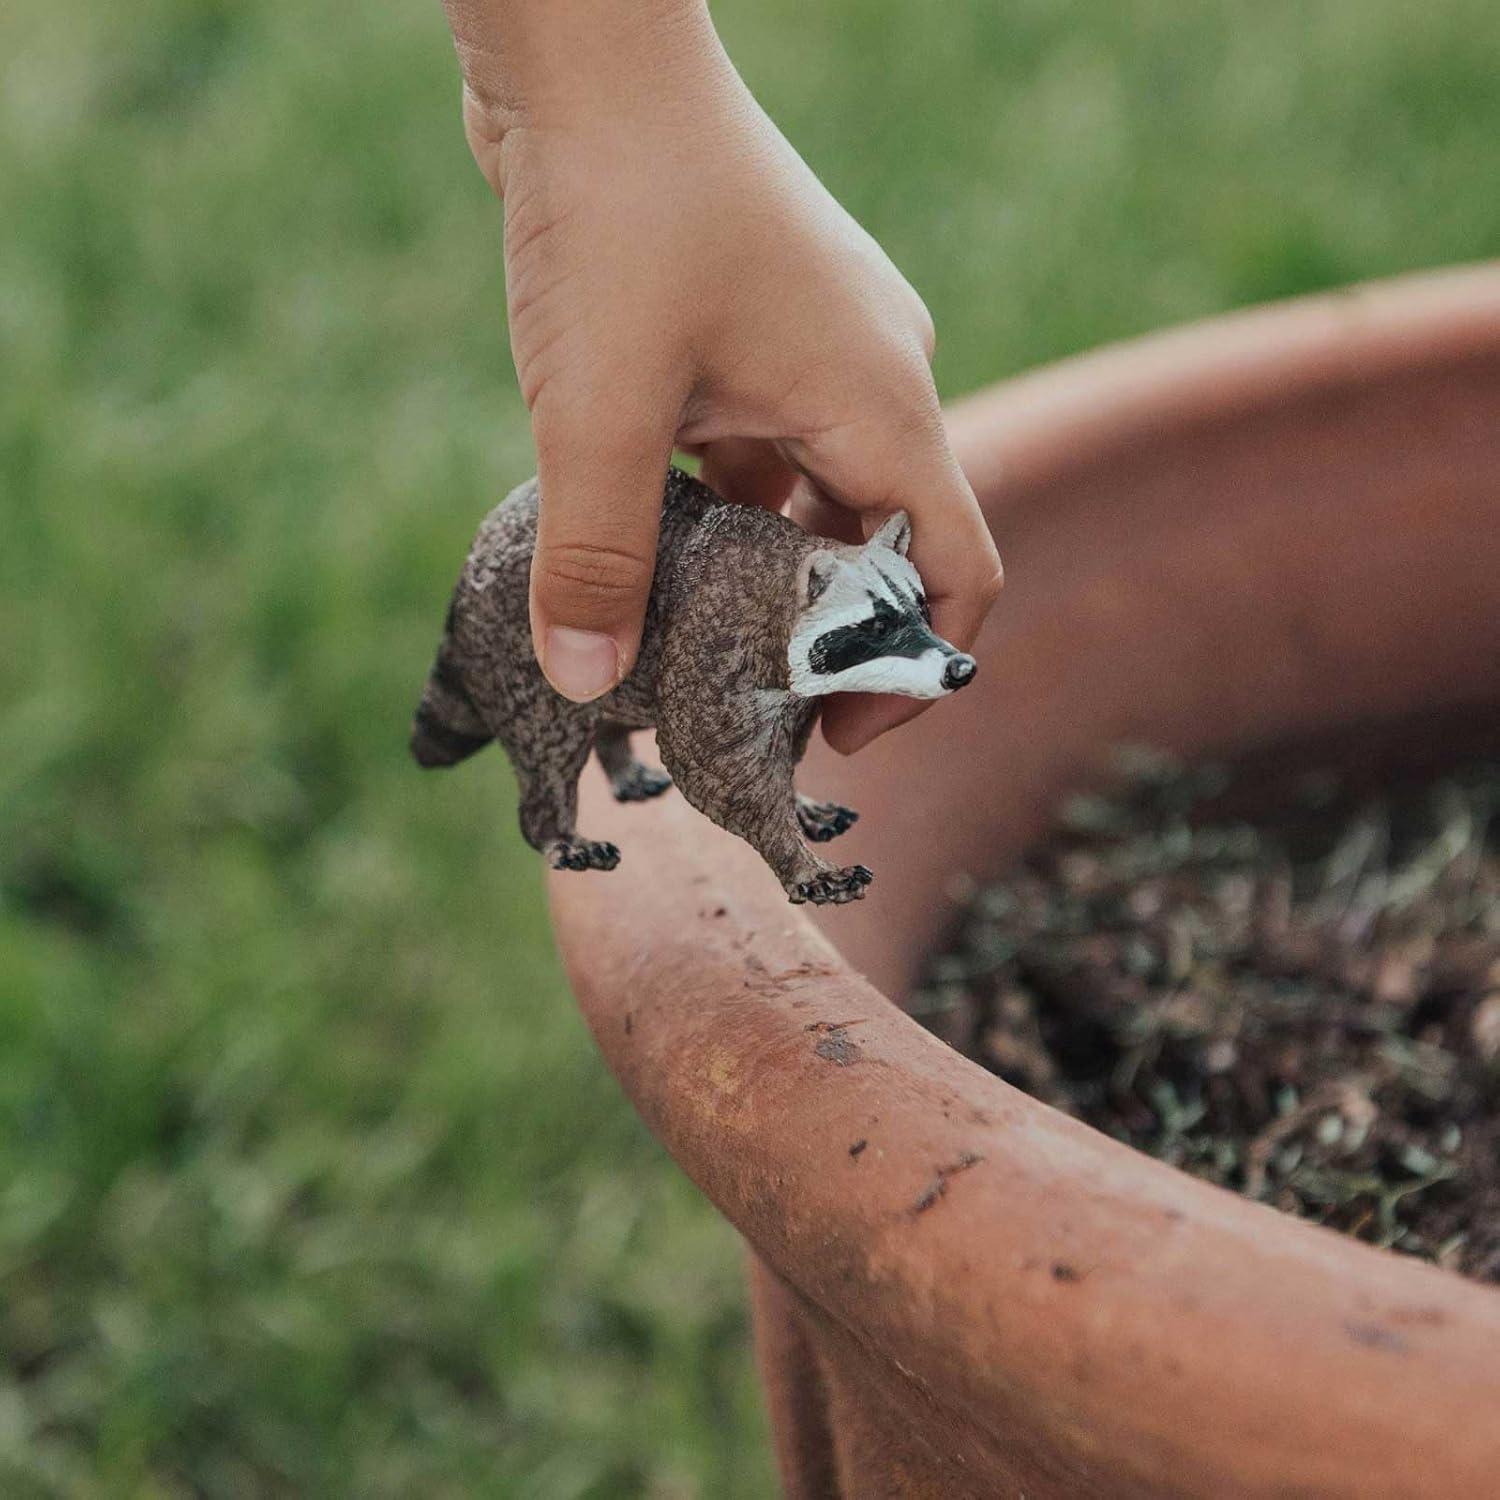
point(713, 677)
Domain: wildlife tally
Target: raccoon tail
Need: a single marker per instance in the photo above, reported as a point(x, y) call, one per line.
point(447, 727)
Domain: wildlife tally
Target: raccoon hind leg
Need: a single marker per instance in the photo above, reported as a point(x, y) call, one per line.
point(629, 779)
point(549, 798)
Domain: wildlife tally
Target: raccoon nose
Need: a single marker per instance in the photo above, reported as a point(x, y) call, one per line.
point(958, 670)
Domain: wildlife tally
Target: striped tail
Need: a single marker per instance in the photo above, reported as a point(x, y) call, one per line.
point(447, 727)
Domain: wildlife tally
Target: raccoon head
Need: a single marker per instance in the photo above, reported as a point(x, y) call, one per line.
point(863, 625)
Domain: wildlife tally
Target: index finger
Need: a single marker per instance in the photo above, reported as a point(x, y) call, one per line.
point(875, 469)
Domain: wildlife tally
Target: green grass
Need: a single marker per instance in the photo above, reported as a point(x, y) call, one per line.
point(310, 1180)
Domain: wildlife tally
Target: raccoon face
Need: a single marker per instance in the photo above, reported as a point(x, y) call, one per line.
point(864, 625)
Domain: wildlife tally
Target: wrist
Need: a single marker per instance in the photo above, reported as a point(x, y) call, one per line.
point(565, 63)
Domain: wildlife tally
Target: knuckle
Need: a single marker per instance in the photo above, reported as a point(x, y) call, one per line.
point(907, 366)
point(597, 579)
point(915, 419)
point(991, 578)
point(490, 117)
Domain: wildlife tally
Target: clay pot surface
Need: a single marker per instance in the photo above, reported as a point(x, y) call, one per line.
point(1275, 527)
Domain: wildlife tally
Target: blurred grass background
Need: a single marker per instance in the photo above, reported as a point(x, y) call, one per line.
point(310, 1180)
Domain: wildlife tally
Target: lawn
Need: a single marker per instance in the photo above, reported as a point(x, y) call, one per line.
point(310, 1180)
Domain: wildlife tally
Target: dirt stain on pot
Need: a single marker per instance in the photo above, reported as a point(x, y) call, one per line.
point(774, 984)
point(834, 1044)
point(937, 1189)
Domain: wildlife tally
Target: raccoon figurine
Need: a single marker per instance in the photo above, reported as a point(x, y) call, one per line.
point(751, 621)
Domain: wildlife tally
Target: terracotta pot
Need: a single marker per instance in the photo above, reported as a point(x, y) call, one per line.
point(1276, 526)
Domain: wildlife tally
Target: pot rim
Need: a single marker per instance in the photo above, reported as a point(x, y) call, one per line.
point(1093, 1320)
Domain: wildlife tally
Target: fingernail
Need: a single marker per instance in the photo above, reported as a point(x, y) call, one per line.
point(580, 664)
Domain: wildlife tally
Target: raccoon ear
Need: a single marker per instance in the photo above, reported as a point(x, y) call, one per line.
point(817, 574)
point(895, 533)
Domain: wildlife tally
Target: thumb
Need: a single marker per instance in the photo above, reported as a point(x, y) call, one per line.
point(601, 470)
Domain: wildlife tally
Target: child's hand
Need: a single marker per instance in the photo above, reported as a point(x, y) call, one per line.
point(677, 276)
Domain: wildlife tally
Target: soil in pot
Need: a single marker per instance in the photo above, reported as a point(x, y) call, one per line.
point(1303, 1007)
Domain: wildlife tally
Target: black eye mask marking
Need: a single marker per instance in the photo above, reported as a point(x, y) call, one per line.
point(888, 632)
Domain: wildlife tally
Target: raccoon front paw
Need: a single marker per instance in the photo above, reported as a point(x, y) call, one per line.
point(822, 821)
point(638, 783)
point(582, 854)
point(833, 887)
